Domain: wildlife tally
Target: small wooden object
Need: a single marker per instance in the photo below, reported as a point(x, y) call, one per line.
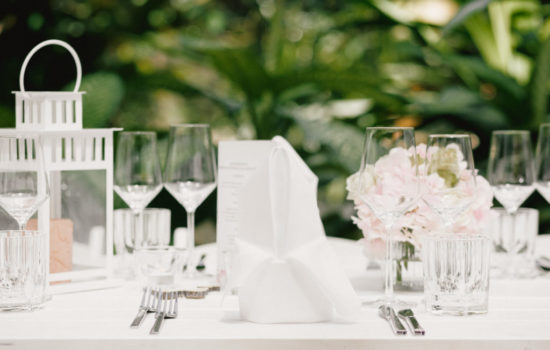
point(61, 244)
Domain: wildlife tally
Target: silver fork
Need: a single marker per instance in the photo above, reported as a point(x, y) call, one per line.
point(146, 306)
point(167, 307)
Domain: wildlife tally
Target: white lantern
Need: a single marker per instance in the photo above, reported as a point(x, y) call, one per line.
point(55, 119)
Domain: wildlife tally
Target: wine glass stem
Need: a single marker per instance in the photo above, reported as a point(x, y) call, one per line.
point(388, 287)
point(138, 221)
point(512, 250)
point(191, 240)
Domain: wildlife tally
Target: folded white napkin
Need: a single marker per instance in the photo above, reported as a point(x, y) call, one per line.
point(284, 268)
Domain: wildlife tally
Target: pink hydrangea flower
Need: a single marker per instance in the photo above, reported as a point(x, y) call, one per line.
point(395, 174)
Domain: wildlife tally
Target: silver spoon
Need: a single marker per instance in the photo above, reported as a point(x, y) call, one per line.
point(408, 316)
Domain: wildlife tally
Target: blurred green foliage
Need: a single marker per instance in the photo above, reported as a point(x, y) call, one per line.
point(316, 72)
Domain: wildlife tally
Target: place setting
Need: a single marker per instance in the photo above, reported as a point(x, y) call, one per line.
point(165, 266)
point(434, 253)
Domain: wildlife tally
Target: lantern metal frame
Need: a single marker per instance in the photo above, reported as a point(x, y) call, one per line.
point(54, 119)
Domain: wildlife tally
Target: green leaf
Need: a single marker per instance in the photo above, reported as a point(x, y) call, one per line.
point(480, 30)
point(493, 37)
point(539, 92)
point(463, 104)
point(465, 12)
point(104, 93)
point(475, 71)
point(358, 82)
point(243, 68)
point(275, 38)
point(393, 11)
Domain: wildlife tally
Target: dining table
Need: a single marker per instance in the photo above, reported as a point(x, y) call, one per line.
point(100, 317)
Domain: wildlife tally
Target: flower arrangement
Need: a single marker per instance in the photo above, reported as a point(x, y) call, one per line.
point(396, 173)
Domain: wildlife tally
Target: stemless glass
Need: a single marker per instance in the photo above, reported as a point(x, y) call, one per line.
point(390, 171)
point(190, 173)
point(138, 177)
point(513, 237)
point(511, 170)
point(23, 177)
point(23, 269)
point(542, 160)
point(456, 273)
point(449, 176)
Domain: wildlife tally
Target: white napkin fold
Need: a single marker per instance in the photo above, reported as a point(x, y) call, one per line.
point(284, 268)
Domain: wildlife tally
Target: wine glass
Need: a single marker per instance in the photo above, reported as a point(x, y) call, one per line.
point(449, 176)
point(542, 160)
point(138, 177)
point(389, 178)
point(190, 173)
point(511, 173)
point(511, 170)
point(23, 177)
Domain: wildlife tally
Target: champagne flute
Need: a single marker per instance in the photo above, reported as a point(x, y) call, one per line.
point(449, 176)
point(389, 176)
point(23, 177)
point(138, 177)
point(190, 174)
point(542, 160)
point(511, 170)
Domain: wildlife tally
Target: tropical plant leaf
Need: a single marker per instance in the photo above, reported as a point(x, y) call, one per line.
point(482, 73)
point(465, 12)
point(359, 82)
point(104, 93)
point(465, 106)
point(275, 38)
point(480, 31)
point(393, 11)
point(243, 68)
point(539, 91)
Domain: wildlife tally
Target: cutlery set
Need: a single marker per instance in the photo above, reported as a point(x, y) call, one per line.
point(165, 304)
point(388, 313)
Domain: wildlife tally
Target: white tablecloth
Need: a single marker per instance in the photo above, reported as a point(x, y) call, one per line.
point(519, 318)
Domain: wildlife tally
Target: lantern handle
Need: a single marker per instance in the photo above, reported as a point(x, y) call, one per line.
point(46, 43)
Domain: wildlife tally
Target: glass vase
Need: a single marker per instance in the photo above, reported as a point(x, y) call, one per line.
point(408, 267)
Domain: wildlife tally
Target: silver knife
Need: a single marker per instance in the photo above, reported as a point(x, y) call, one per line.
point(160, 313)
point(388, 313)
point(412, 322)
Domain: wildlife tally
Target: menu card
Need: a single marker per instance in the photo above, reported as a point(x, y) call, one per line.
point(237, 162)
